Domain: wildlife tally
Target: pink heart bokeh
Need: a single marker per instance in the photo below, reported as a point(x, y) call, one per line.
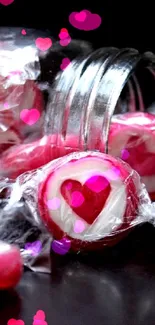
point(43, 44)
point(6, 2)
point(23, 32)
point(85, 20)
point(39, 318)
point(30, 116)
point(81, 16)
point(65, 42)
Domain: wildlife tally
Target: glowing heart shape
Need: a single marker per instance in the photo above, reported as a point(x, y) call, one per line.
point(65, 42)
point(40, 315)
point(63, 35)
point(6, 2)
point(87, 200)
point(13, 321)
point(81, 16)
point(43, 44)
point(30, 116)
point(62, 246)
point(33, 248)
point(23, 32)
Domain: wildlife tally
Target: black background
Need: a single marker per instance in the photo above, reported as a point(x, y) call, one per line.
point(125, 23)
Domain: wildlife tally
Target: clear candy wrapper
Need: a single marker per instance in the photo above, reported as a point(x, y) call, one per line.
point(132, 138)
point(82, 202)
point(29, 60)
point(21, 100)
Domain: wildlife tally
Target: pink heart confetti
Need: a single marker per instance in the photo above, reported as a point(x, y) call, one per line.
point(39, 318)
point(63, 34)
point(85, 20)
point(6, 2)
point(40, 315)
point(23, 32)
point(79, 226)
point(43, 44)
point(61, 246)
point(65, 42)
point(30, 116)
point(34, 248)
point(81, 16)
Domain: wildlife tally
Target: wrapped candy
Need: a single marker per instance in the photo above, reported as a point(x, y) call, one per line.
point(26, 157)
point(90, 199)
point(132, 138)
point(84, 201)
point(21, 100)
point(26, 71)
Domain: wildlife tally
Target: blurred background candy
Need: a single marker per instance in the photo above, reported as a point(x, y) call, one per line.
point(11, 266)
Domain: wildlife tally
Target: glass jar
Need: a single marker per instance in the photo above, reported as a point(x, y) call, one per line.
point(92, 91)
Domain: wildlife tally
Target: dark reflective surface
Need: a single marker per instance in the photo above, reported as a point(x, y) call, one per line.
point(115, 287)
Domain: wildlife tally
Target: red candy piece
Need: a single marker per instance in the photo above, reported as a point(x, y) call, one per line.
point(90, 199)
point(11, 266)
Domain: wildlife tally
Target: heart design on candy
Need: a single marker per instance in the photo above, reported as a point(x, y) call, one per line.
point(87, 200)
point(92, 207)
